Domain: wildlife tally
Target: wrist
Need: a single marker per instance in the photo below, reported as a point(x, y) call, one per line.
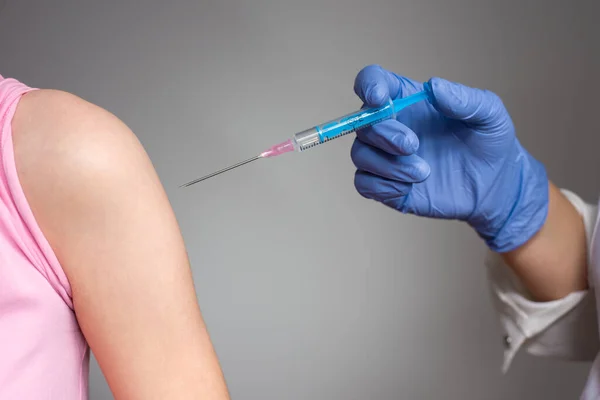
point(553, 262)
point(521, 200)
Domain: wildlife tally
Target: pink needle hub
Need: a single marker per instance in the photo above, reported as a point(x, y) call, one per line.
point(278, 149)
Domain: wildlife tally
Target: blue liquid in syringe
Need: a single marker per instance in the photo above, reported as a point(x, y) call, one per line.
point(342, 126)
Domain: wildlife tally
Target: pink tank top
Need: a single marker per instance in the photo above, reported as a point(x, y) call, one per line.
point(43, 354)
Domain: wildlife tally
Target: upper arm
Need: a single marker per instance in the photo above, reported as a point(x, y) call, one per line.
point(100, 204)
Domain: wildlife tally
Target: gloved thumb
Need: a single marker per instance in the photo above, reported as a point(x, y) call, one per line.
point(375, 85)
point(456, 101)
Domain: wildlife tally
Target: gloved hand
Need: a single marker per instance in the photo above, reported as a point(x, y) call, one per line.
point(456, 157)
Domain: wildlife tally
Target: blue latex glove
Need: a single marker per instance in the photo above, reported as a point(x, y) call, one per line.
point(456, 157)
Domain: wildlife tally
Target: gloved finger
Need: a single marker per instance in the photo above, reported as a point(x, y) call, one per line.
point(474, 106)
point(408, 169)
point(391, 136)
point(374, 187)
point(375, 85)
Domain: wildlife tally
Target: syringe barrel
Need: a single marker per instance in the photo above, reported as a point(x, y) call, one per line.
point(342, 126)
point(354, 121)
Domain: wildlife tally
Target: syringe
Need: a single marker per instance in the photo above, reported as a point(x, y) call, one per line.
point(332, 130)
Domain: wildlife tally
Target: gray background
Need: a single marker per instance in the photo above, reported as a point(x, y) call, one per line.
point(310, 291)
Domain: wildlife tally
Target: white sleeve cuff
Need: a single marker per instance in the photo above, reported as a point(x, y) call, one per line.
point(564, 328)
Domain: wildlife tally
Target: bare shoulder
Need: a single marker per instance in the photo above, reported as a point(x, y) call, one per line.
point(99, 202)
point(76, 160)
point(61, 137)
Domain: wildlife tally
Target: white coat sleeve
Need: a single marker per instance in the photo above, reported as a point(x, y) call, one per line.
point(564, 329)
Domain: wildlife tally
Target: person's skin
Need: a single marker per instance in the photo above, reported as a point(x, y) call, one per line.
point(553, 263)
point(99, 202)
